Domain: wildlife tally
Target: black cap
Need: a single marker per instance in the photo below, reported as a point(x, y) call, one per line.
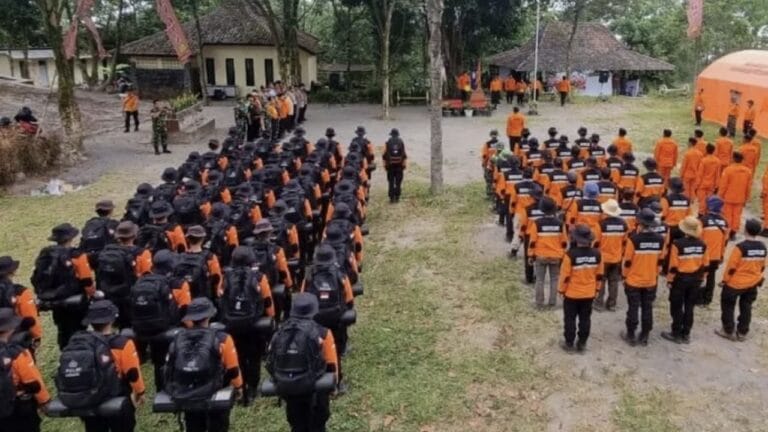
point(126, 230)
point(8, 320)
point(330, 132)
point(647, 218)
point(341, 211)
point(360, 130)
point(160, 209)
point(582, 234)
point(676, 184)
point(164, 261)
point(394, 132)
point(170, 174)
point(304, 305)
point(105, 205)
point(8, 265)
point(753, 227)
point(334, 234)
point(243, 256)
point(144, 189)
point(199, 309)
point(196, 231)
point(650, 164)
point(547, 206)
point(101, 312)
point(64, 232)
point(325, 255)
point(220, 211)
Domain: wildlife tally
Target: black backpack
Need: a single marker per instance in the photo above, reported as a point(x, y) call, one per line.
point(194, 370)
point(8, 353)
point(193, 268)
point(266, 261)
point(152, 305)
point(216, 241)
point(165, 192)
point(325, 283)
point(54, 277)
point(187, 210)
point(395, 152)
point(189, 170)
point(294, 199)
point(9, 292)
point(241, 304)
point(350, 199)
point(210, 161)
point(240, 217)
point(115, 274)
point(96, 234)
point(343, 251)
point(153, 238)
point(87, 375)
point(280, 230)
point(295, 359)
point(137, 211)
point(234, 175)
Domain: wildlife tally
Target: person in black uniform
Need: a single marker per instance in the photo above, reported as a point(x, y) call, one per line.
point(395, 163)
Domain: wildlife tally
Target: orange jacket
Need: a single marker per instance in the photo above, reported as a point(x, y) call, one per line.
point(581, 273)
point(521, 87)
point(26, 375)
point(496, 85)
point(733, 110)
point(515, 124)
point(691, 162)
point(649, 184)
point(510, 84)
point(708, 173)
point(84, 274)
point(176, 238)
point(735, 184)
point(564, 86)
point(613, 238)
point(229, 359)
point(547, 238)
point(688, 257)
point(131, 103)
point(623, 145)
point(25, 307)
point(724, 150)
point(127, 363)
point(642, 259)
point(751, 152)
point(745, 265)
point(675, 208)
point(698, 102)
point(715, 234)
point(665, 152)
point(750, 114)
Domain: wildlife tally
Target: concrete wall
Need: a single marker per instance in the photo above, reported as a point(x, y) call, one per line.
point(41, 71)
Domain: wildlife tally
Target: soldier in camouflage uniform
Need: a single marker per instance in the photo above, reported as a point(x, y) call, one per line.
point(241, 118)
point(159, 114)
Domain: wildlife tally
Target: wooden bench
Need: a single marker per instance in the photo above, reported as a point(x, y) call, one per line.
point(421, 98)
point(682, 91)
point(452, 107)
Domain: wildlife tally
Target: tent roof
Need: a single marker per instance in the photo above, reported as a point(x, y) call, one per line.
point(747, 67)
point(594, 48)
point(229, 24)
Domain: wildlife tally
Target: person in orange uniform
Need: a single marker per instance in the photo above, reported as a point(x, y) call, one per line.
point(563, 88)
point(698, 106)
point(537, 88)
point(199, 314)
point(642, 259)
point(735, 189)
point(30, 391)
point(750, 150)
point(628, 173)
point(509, 88)
point(622, 143)
point(688, 264)
point(733, 116)
point(515, 126)
point(21, 300)
point(520, 88)
point(588, 210)
point(101, 316)
point(464, 82)
point(580, 279)
point(273, 114)
point(546, 248)
point(701, 143)
point(749, 117)
point(675, 206)
point(68, 319)
point(724, 148)
point(131, 110)
point(708, 175)
point(649, 185)
point(613, 238)
point(496, 86)
point(715, 235)
point(310, 412)
point(742, 277)
point(215, 282)
point(665, 154)
point(690, 168)
point(174, 235)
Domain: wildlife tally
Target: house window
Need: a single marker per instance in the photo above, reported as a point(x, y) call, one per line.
point(249, 73)
point(230, 64)
point(210, 71)
point(24, 69)
point(269, 71)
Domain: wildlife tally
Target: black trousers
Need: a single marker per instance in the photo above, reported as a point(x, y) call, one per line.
point(124, 307)
point(128, 115)
point(530, 276)
point(683, 295)
point(340, 337)
point(563, 97)
point(510, 97)
point(640, 301)
point(747, 126)
point(581, 309)
point(250, 349)
point(211, 421)
point(514, 141)
point(254, 130)
point(709, 285)
point(728, 300)
point(68, 321)
point(395, 179)
point(520, 98)
point(23, 418)
point(125, 422)
point(464, 96)
point(495, 97)
point(275, 129)
point(731, 126)
point(698, 113)
point(309, 413)
point(158, 350)
point(303, 114)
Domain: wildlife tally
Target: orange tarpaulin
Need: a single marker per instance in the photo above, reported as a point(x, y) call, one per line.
point(745, 72)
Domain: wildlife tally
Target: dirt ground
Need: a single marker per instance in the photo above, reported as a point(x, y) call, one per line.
point(710, 384)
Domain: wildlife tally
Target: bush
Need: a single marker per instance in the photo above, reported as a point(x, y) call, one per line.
point(22, 153)
point(183, 101)
point(328, 96)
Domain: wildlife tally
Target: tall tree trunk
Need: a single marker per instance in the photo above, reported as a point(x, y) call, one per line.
point(10, 61)
point(200, 57)
point(434, 19)
point(389, 7)
point(118, 44)
point(69, 112)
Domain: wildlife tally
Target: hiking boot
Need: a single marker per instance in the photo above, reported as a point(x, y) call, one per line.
point(610, 307)
point(629, 338)
point(126, 131)
point(687, 339)
point(157, 152)
point(671, 337)
point(581, 347)
point(724, 334)
point(598, 306)
point(567, 347)
point(741, 337)
point(642, 340)
point(513, 254)
point(166, 151)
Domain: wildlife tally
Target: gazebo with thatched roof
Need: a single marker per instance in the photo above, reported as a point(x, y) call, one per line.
point(595, 48)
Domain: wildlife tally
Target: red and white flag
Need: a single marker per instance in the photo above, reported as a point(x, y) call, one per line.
point(695, 18)
point(174, 31)
point(82, 13)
